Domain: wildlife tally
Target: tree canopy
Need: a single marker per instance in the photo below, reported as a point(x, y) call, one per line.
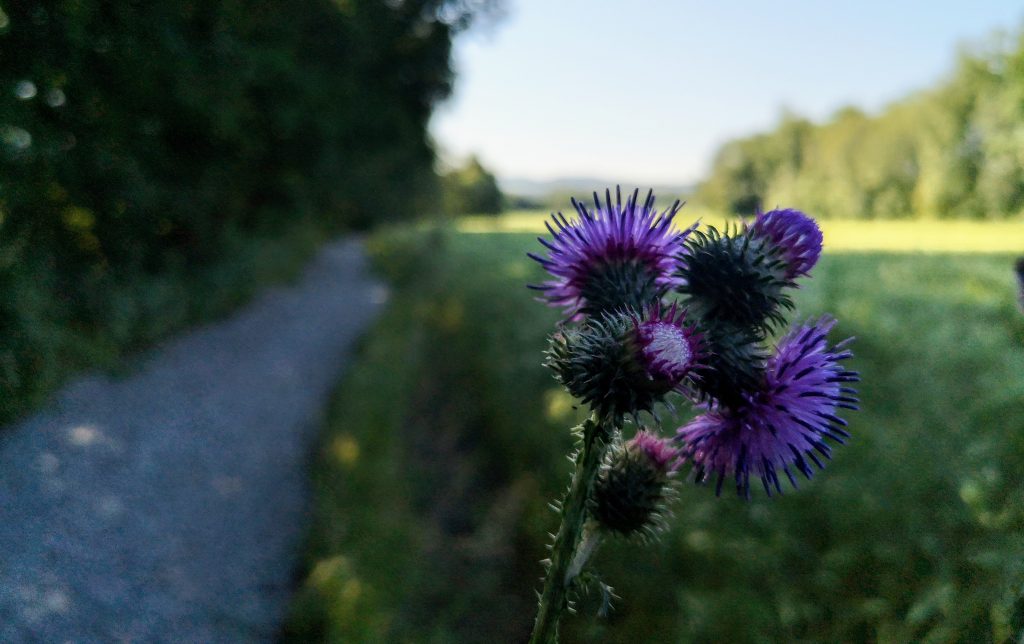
point(956, 150)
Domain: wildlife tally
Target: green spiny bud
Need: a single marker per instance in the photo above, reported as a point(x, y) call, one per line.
point(734, 365)
point(623, 363)
point(632, 490)
point(734, 279)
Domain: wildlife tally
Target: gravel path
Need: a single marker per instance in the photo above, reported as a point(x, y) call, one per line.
point(170, 505)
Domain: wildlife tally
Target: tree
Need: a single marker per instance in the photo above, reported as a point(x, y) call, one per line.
point(953, 151)
point(471, 190)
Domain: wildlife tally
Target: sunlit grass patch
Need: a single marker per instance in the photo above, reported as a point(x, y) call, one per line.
point(841, 235)
point(930, 236)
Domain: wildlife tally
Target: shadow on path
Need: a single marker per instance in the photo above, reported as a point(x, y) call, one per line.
point(170, 505)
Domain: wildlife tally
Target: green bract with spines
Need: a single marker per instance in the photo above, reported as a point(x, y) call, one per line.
point(734, 364)
point(734, 278)
point(631, 494)
point(619, 284)
point(596, 364)
point(625, 363)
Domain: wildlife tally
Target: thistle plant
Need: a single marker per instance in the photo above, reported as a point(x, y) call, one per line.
point(656, 314)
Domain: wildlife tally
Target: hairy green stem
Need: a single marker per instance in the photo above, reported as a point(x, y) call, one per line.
point(589, 542)
point(554, 597)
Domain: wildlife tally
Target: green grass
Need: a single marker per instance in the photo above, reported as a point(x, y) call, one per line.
point(447, 439)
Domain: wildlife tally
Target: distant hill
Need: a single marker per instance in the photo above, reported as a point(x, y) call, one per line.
point(556, 190)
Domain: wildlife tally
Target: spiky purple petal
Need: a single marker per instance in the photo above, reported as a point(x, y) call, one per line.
point(1019, 269)
point(670, 347)
point(612, 243)
point(783, 425)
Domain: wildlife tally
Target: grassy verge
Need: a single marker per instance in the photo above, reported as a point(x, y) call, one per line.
point(841, 235)
point(51, 336)
point(424, 477)
point(447, 440)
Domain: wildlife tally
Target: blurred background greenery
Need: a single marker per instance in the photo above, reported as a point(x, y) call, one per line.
point(161, 161)
point(446, 442)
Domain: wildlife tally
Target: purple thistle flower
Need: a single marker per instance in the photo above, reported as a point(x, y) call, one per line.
point(659, 451)
point(612, 257)
point(669, 347)
point(784, 423)
point(795, 234)
point(632, 490)
point(625, 362)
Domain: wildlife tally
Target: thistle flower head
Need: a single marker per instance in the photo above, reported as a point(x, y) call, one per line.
point(614, 256)
point(794, 234)
point(784, 423)
point(631, 491)
point(735, 279)
point(625, 363)
point(670, 348)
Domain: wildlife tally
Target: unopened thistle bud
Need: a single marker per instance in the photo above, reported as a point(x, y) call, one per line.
point(632, 490)
point(734, 365)
point(624, 363)
point(734, 278)
point(613, 257)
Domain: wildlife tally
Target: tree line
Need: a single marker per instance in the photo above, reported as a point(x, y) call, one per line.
point(952, 151)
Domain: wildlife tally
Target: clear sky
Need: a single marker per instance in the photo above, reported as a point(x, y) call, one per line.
point(645, 91)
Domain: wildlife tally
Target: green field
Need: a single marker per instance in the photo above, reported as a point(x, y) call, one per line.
point(841, 235)
point(448, 438)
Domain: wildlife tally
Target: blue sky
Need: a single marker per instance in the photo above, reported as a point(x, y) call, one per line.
point(645, 91)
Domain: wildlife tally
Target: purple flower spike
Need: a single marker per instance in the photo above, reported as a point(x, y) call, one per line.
point(670, 347)
point(659, 451)
point(784, 423)
point(795, 234)
point(618, 255)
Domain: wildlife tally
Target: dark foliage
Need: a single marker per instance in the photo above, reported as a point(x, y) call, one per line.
point(142, 139)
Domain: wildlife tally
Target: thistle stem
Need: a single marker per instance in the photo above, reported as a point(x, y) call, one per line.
point(588, 546)
point(554, 597)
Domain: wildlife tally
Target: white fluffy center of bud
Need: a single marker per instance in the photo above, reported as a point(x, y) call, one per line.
point(669, 346)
